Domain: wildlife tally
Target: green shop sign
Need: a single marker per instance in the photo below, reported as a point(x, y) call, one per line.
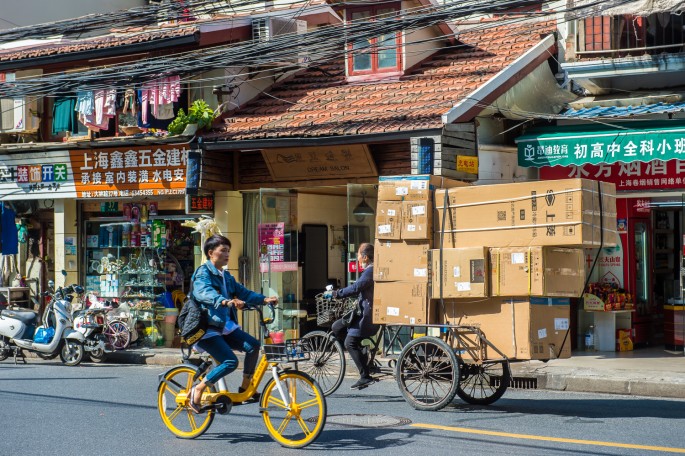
point(589, 144)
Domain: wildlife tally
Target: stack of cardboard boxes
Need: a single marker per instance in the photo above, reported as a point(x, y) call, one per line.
point(511, 257)
point(404, 235)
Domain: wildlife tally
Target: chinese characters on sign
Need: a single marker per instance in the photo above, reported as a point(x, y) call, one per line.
point(199, 204)
point(332, 162)
point(24, 176)
point(653, 175)
point(605, 147)
point(272, 241)
point(160, 170)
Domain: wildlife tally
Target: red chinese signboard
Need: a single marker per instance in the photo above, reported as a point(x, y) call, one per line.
point(272, 248)
point(632, 176)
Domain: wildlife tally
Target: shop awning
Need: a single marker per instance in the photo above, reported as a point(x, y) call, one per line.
point(597, 144)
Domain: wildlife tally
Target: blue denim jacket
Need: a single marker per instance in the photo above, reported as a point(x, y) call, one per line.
point(209, 290)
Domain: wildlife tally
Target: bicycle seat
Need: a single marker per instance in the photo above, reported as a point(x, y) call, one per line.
point(25, 316)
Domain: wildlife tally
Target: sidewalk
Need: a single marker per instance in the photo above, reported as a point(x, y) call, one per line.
point(645, 372)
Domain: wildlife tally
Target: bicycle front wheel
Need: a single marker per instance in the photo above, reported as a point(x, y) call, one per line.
point(173, 404)
point(297, 419)
point(118, 335)
point(327, 361)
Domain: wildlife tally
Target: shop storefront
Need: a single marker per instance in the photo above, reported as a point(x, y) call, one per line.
point(640, 281)
point(135, 247)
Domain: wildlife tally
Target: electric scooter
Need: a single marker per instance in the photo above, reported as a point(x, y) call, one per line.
point(18, 327)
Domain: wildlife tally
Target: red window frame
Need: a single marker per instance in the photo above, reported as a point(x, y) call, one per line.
point(374, 69)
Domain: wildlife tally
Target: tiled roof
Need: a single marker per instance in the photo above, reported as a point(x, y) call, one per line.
point(319, 101)
point(101, 42)
point(624, 111)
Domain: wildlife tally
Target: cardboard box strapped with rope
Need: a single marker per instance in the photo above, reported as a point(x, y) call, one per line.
point(566, 212)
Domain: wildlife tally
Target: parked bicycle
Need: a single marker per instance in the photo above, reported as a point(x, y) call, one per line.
point(430, 371)
point(103, 333)
point(292, 403)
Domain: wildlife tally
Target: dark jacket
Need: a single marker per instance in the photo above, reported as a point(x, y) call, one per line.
point(209, 290)
point(363, 290)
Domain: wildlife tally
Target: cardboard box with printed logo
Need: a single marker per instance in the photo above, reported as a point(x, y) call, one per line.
point(537, 271)
point(464, 273)
point(565, 212)
point(389, 220)
point(400, 303)
point(405, 261)
point(417, 220)
point(522, 328)
point(412, 187)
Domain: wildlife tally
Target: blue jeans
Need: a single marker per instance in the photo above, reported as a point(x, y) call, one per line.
point(221, 349)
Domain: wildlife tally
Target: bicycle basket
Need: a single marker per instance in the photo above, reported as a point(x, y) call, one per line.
point(330, 309)
point(291, 351)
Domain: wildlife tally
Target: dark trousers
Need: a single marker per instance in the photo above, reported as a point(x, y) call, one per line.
point(353, 344)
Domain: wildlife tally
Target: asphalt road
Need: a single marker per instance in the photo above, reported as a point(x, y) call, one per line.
point(48, 408)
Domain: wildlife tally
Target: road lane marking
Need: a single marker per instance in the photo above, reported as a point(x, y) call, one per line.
point(549, 439)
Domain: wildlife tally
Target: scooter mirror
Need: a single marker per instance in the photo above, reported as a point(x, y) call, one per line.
point(51, 283)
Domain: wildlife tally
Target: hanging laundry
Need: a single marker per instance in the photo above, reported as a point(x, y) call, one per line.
point(159, 94)
point(97, 108)
point(129, 102)
point(10, 236)
point(64, 116)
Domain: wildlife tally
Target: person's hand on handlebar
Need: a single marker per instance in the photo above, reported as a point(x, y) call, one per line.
point(271, 300)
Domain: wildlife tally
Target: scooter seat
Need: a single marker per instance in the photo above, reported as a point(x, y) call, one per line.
point(27, 317)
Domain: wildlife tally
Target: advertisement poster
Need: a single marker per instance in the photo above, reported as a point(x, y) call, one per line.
point(272, 248)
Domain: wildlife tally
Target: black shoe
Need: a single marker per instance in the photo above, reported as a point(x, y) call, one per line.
point(373, 369)
point(363, 383)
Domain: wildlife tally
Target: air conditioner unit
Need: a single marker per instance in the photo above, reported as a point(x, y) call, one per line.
point(267, 28)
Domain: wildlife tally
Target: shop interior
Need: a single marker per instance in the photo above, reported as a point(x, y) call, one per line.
point(322, 230)
point(140, 256)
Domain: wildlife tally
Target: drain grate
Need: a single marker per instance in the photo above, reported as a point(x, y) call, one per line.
point(365, 421)
point(523, 383)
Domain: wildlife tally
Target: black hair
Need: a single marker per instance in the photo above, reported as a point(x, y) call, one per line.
point(215, 241)
point(367, 249)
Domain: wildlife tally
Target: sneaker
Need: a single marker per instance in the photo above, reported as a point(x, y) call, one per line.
point(363, 382)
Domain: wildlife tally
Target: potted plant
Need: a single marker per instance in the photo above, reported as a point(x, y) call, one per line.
point(200, 116)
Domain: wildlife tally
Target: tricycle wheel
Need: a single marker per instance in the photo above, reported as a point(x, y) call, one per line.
point(427, 373)
point(484, 383)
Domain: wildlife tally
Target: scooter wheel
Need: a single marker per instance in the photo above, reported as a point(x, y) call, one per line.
point(71, 353)
point(4, 349)
point(47, 356)
point(97, 356)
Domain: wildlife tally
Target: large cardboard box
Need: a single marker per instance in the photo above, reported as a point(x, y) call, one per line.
point(564, 212)
point(520, 327)
point(400, 303)
point(537, 271)
point(417, 220)
point(389, 220)
point(405, 261)
point(413, 187)
point(464, 273)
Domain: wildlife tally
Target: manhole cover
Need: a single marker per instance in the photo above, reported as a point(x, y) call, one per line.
point(365, 421)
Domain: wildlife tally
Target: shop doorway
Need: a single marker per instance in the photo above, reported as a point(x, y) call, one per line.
point(278, 259)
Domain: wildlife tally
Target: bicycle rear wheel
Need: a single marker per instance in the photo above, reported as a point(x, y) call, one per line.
point(172, 403)
point(327, 362)
point(299, 423)
point(118, 335)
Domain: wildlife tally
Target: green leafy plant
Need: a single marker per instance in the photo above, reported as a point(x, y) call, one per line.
point(199, 113)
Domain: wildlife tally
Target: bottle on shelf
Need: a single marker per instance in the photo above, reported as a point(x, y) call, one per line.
point(590, 338)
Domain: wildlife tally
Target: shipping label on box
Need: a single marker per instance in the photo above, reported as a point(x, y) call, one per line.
point(400, 303)
point(417, 218)
point(388, 220)
point(464, 273)
point(413, 187)
point(537, 271)
point(567, 212)
point(401, 261)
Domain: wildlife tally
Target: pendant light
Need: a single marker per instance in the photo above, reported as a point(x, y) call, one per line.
point(363, 209)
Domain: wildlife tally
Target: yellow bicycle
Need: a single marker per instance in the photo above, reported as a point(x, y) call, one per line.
point(292, 403)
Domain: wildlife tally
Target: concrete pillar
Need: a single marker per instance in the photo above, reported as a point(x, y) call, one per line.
point(66, 230)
